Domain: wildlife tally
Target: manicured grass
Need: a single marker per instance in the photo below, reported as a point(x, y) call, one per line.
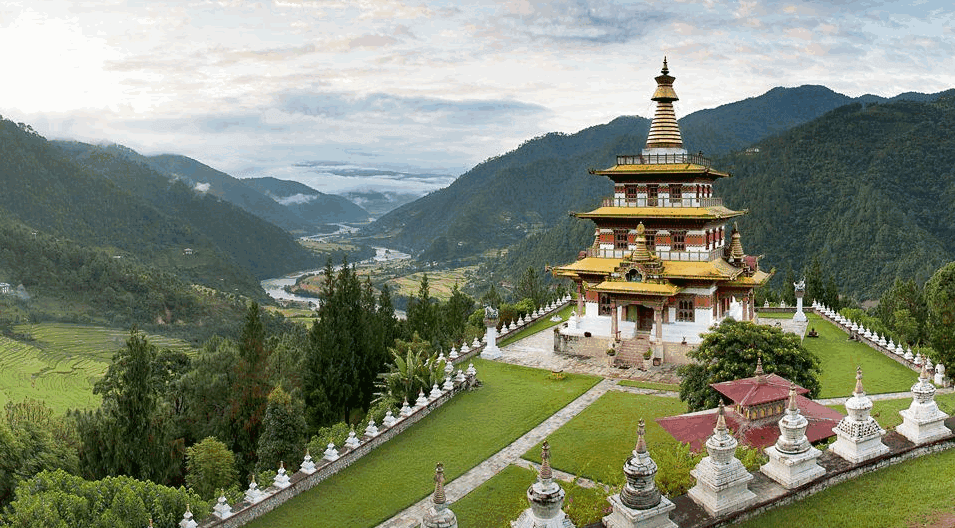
point(886, 412)
point(901, 496)
point(501, 500)
point(650, 385)
point(840, 357)
point(62, 363)
point(462, 433)
point(597, 442)
point(541, 324)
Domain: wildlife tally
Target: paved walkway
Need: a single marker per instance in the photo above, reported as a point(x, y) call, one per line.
point(480, 474)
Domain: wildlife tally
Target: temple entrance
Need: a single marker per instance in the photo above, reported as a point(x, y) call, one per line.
point(644, 318)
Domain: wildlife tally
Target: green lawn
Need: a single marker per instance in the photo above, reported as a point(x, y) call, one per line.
point(60, 366)
point(541, 324)
point(840, 357)
point(462, 433)
point(901, 496)
point(650, 385)
point(597, 442)
point(502, 499)
point(776, 315)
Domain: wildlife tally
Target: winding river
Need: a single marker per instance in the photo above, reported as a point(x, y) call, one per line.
point(275, 288)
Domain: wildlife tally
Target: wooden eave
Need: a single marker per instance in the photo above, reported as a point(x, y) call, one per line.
point(595, 266)
point(718, 212)
point(638, 288)
point(658, 169)
point(759, 279)
point(718, 270)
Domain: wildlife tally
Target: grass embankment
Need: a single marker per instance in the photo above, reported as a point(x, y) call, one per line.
point(650, 385)
point(461, 434)
point(905, 495)
point(603, 435)
point(60, 366)
point(840, 357)
point(539, 325)
point(501, 500)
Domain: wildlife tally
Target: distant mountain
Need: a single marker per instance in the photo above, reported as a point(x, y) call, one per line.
point(230, 189)
point(507, 198)
point(313, 206)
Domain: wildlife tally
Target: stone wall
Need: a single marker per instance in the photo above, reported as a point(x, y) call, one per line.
point(578, 345)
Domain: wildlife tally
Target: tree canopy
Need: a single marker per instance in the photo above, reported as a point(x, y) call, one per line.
point(730, 352)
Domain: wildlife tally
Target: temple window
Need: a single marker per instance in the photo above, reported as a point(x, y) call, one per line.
point(676, 193)
point(684, 311)
point(603, 305)
point(653, 191)
point(620, 239)
point(678, 241)
point(631, 193)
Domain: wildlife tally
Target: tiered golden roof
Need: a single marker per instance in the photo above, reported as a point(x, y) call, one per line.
point(699, 213)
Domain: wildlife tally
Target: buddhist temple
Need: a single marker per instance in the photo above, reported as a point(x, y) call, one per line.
point(758, 403)
point(665, 265)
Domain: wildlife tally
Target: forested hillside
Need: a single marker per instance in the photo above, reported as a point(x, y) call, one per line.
point(312, 206)
point(265, 250)
point(230, 189)
point(867, 189)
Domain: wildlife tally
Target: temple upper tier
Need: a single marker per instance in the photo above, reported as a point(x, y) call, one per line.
point(664, 264)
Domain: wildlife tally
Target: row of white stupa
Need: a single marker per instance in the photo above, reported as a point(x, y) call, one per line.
point(896, 348)
point(254, 494)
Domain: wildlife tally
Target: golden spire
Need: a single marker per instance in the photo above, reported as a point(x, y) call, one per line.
point(736, 247)
point(859, 390)
point(793, 406)
point(664, 129)
point(759, 367)
point(641, 252)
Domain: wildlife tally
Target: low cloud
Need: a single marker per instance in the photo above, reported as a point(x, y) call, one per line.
point(202, 187)
point(296, 199)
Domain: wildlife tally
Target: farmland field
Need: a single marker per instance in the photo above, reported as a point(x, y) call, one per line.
point(62, 362)
point(439, 282)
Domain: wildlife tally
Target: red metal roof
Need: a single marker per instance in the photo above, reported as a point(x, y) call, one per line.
point(695, 428)
point(753, 391)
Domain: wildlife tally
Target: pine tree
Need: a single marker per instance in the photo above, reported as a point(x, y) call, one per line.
point(283, 432)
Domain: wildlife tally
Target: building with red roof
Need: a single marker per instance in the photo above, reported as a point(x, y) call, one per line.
point(758, 404)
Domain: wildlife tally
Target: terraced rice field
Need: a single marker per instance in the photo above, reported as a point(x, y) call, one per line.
point(60, 366)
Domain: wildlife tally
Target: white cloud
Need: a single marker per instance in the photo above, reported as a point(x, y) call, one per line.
point(202, 187)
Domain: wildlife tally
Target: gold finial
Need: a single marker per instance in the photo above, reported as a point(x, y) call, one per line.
point(641, 442)
point(924, 374)
point(759, 366)
point(736, 246)
point(641, 252)
point(859, 390)
point(439, 496)
point(545, 472)
point(665, 70)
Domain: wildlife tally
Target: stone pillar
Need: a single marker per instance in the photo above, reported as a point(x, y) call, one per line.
point(721, 479)
point(800, 288)
point(752, 306)
point(614, 326)
point(859, 436)
point(745, 305)
point(792, 461)
point(580, 298)
point(923, 422)
point(491, 351)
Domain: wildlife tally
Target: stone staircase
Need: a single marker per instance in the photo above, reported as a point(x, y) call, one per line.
point(630, 351)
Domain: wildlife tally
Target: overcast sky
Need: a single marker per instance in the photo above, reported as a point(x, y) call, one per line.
point(255, 87)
